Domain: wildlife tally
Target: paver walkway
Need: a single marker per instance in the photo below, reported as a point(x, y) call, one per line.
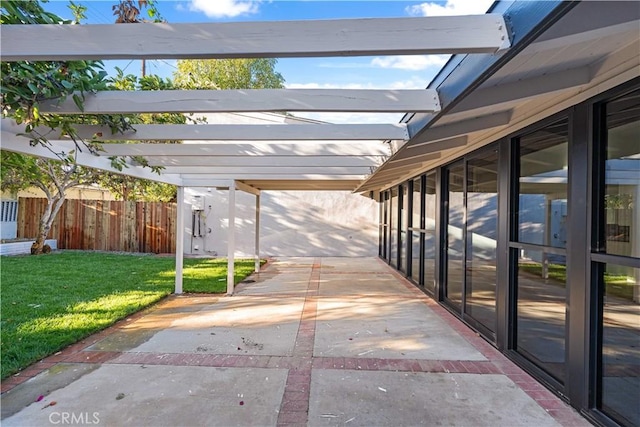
point(324, 341)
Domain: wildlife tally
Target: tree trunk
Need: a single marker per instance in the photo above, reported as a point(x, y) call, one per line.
point(51, 211)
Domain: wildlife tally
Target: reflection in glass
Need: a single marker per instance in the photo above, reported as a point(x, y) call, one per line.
point(381, 220)
point(415, 224)
point(482, 226)
point(541, 310)
point(430, 235)
point(620, 285)
point(404, 218)
point(455, 225)
point(415, 250)
point(621, 344)
point(622, 176)
point(542, 205)
point(415, 215)
point(393, 238)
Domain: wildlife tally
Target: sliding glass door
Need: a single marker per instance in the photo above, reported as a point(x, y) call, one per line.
point(472, 221)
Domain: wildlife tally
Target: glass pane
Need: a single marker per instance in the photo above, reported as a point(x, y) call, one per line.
point(393, 238)
point(482, 226)
point(621, 344)
point(415, 217)
point(384, 197)
point(453, 289)
point(415, 255)
point(541, 310)
point(622, 177)
point(430, 236)
point(542, 204)
point(404, 218)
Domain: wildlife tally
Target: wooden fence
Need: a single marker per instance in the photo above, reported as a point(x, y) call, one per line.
point(104, 225)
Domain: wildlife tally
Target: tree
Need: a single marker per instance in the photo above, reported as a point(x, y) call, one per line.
point(54, 178)
point(257, 73)
point(24, 85)
point(126, 12)
point(130, 188)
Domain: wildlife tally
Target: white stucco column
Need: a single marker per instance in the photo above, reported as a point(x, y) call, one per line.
point(179, 240)
point(231, 238)
point(256, 254)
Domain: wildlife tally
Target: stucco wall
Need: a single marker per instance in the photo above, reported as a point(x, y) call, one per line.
point(292, 223)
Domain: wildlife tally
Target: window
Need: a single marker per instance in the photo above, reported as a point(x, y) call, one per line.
point(539, 247)
point(616, 259)
point(430, 237)
point(481, 234)
point(416, 229)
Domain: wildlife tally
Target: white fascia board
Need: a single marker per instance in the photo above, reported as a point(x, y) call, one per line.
point(269, 160)
point(250, 100)
point(249, 132)
point(284, 39)
point(20, 144)
point(257, 149)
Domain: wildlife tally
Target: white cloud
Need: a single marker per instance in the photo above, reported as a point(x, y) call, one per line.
point(409, 62)
point(452, 7)
point(225, 8)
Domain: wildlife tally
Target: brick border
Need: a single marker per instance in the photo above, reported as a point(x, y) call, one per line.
point(562, 412)
point(294, 406)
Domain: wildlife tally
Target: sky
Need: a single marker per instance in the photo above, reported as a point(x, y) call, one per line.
point(384, 72)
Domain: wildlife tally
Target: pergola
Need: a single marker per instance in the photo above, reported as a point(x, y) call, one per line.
point(253, 157)
point(512, 66)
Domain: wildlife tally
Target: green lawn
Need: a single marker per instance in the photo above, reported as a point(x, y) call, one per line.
point(616, 285)
point(51, 301)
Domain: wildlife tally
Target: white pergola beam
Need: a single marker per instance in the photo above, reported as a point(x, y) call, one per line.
point(286, 39)
point(20, 144)
point(322, 181)
point(250, 100)
point(219, 184)
point(248, 132)
point(188, 178)
point(250, 150)
point(267, 160)
point(194, 171)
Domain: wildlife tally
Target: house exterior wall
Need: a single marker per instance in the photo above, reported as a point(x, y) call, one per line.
point(537, 247)
point(292, 223)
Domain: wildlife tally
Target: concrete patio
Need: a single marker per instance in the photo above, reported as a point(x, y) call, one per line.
point(324, 341)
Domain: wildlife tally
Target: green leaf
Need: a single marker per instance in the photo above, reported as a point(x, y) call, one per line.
point(78, 101)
